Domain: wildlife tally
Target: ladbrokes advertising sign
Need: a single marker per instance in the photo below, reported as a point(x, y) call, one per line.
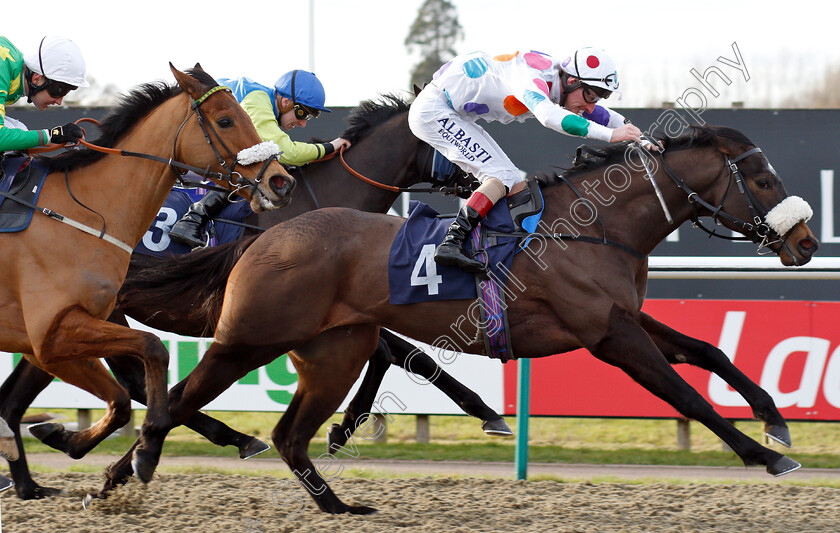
point(791, 349)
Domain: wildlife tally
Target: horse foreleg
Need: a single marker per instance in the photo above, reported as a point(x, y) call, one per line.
point(627, 346)
point(130, 373)
point(16, 395)
point(680, 348)
point(414, 360)
point(74, 337)
point(323, 381)
point(361, 404)
point(213, 375)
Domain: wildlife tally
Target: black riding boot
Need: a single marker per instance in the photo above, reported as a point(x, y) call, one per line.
point(188, 230)
point(451, 252)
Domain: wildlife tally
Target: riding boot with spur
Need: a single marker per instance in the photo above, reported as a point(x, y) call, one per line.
point(451, 252)
point(188, 230)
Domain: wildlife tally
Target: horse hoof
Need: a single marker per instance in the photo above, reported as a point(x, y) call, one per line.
point(43, 430)
point(782, 466)
point(44, 492)
point(780, 434)
point(254, 447)
point(333, 437)
point(497, 428)
point(5, 483)
point(86, 501)
point(360, 509)
point(143, 465)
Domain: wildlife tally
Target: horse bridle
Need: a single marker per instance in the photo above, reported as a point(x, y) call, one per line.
point(757, 231)
point(230, 175)
point(252, 155)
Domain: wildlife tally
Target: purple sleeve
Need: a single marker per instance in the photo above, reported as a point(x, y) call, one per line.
point(599, 115)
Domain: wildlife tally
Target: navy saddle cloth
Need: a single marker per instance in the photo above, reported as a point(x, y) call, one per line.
point(413, 275)
point(156, 240)
point(22, 178)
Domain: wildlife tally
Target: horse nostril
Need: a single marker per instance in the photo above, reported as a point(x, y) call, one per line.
point(807, 246)
point(281, 185)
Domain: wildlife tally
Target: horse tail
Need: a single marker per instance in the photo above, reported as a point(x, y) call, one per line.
point(198, 277)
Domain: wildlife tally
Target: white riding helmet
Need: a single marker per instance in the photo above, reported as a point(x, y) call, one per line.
point(593, 67)
point(59, 59)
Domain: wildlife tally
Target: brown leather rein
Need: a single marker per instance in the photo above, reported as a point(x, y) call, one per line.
point(443, 190)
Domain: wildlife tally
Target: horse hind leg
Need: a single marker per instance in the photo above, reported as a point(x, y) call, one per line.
point(93, 377)
point(17, 393)
point(414, 360)
point(327, 368)
point(680, 348)
point(76, 337)
point(394, 350)
point(627, 346)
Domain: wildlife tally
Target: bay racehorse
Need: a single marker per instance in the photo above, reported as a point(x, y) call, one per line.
point(185, 309)
point(59, 284)
point(323, 277)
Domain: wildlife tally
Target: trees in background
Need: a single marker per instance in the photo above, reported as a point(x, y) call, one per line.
point(434, 34)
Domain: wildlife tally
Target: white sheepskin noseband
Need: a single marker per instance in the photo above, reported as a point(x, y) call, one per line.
point(259, 152)
point(788, 213)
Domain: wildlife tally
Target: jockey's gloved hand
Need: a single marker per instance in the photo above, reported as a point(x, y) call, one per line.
point(68, 133)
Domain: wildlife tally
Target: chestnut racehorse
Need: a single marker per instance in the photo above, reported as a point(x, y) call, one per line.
point(323, 276)
point(60, 281)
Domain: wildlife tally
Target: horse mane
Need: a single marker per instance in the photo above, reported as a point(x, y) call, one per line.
point(132, 107)
point(371, 113)
point(604, 156)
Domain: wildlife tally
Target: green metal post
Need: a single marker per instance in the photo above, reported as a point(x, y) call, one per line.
point(523, 408)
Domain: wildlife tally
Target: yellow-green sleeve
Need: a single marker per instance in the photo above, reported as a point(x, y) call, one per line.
point(258, 106)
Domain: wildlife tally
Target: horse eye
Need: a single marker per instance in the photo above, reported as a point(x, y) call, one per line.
point(763, 183)
point(225, 122)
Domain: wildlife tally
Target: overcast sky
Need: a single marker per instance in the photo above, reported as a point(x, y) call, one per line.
point(359, 51)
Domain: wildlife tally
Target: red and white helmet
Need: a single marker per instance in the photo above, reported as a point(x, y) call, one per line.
point(593, 67)
point(59, 59)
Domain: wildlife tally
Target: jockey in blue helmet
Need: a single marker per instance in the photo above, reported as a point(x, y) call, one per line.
point(296, 97)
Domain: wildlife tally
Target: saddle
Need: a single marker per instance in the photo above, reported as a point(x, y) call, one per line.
point(20, 187)
point(526, 207)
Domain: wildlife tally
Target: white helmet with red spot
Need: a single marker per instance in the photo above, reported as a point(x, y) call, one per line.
point(593, 67)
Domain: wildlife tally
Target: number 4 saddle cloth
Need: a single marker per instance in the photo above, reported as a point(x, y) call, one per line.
point(413, 275)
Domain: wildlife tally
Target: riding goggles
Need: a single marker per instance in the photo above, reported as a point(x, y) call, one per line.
point(304, 113)
point(57, 89)
point(593, 94)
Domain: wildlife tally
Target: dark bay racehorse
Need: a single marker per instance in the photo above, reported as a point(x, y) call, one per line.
point(323, 277)
point(193, 312)
point(59, 284)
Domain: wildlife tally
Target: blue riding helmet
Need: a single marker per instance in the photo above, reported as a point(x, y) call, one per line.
point(302, 87)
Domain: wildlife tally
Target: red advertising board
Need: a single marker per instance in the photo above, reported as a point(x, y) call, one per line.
point(791, 349)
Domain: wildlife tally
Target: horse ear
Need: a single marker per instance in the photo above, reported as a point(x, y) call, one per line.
point(189, 84)
point(198, 67)
point(417, 89)
point(728, 146)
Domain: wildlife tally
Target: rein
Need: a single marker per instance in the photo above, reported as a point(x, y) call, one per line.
point(229, 176)
point(443, 190)
point(758, 229)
